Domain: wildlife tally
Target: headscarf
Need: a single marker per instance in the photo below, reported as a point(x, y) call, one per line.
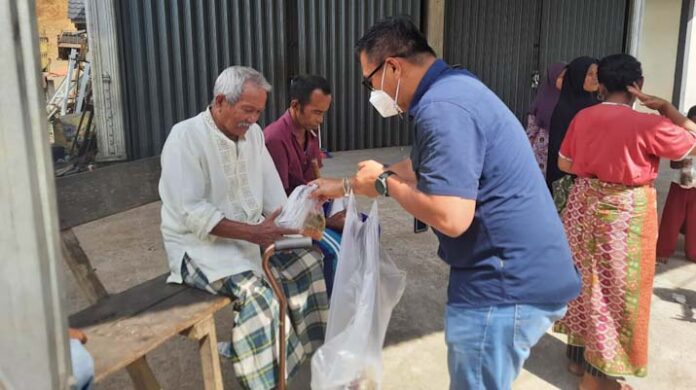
point(547, 96)
point(573, 99)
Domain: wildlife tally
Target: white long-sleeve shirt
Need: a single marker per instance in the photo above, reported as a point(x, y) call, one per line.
point(207, 177)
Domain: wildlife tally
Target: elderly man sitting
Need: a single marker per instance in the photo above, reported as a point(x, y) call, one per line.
point(218, 181)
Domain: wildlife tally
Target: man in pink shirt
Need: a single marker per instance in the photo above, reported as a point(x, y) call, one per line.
point(293, 139)
point(293, 143)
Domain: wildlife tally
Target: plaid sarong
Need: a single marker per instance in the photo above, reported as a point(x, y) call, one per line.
point(254, 349)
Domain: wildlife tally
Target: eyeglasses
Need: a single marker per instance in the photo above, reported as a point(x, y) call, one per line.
point(366, 80)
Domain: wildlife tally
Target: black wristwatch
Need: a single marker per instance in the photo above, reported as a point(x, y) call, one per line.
point(381, 183)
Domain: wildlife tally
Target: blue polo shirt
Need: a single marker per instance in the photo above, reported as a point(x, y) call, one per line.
point(468, 144)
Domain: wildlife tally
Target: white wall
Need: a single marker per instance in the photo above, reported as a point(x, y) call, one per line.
point(658, 45)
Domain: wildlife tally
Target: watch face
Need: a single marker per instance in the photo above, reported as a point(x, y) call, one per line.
point(380, 186)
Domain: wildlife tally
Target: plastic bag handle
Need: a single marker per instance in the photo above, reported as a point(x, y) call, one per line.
point(293, 243)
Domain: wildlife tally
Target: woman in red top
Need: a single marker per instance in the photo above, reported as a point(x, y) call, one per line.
point(611, 221)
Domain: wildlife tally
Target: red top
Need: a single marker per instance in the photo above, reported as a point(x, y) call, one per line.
point(615, 144)
point(293, 162)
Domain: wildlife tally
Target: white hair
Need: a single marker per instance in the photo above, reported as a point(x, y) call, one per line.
point(231, 81)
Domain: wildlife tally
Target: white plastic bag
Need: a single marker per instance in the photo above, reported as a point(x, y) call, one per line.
point(303, 213)
point(337, 206)
point(367, 287)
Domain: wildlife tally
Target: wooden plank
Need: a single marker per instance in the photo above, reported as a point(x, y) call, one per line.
point(81, 267)
point(198, 331)
point(109, 190)
point(142, 375)
point(117, 343)
point(128, 303)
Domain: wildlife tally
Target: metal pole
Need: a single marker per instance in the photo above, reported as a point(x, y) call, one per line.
point(68, 79)
point(84, 80)
point(283, 303)
point(102, 30)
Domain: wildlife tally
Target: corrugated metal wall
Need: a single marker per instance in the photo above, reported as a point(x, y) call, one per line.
point(571, 28)
point(505, 41)
point(172, 51)
point(328, 31)
point(495, 39)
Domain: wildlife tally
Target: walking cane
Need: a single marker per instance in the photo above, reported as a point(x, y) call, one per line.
point(282, 245)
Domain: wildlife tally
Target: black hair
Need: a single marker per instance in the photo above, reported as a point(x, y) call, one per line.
point(393, 37)
point(692, 113)
point(618, 71)
point(302, 86)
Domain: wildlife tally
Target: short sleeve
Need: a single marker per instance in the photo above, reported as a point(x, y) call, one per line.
point(667, 140)
point(451, 149)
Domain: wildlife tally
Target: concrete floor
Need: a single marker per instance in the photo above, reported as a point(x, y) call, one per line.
point(126, 249)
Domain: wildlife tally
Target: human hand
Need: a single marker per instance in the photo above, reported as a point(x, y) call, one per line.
point(77, 334)
point(336, 221)
point(327, 188)
point(652, 102)
point(267, 232)
point(368, 172)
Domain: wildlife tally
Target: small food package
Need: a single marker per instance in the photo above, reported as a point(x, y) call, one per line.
point(303, 213)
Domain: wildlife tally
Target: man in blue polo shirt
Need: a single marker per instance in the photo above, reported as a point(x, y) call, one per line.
point(472, 177)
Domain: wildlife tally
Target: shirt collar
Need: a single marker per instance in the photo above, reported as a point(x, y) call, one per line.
point(208, 117)
point(290, 125)
point(433, 73)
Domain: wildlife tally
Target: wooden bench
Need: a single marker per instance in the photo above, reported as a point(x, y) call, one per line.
point(123, 328)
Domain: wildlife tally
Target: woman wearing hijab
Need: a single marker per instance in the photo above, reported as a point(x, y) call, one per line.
point(578, 92)
point(611, 221)
point(539, 117)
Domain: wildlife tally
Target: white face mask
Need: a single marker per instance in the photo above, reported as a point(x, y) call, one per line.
point(383, 103)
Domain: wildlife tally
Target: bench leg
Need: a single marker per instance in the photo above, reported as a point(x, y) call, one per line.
point(204, 332)
point(142, 376)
